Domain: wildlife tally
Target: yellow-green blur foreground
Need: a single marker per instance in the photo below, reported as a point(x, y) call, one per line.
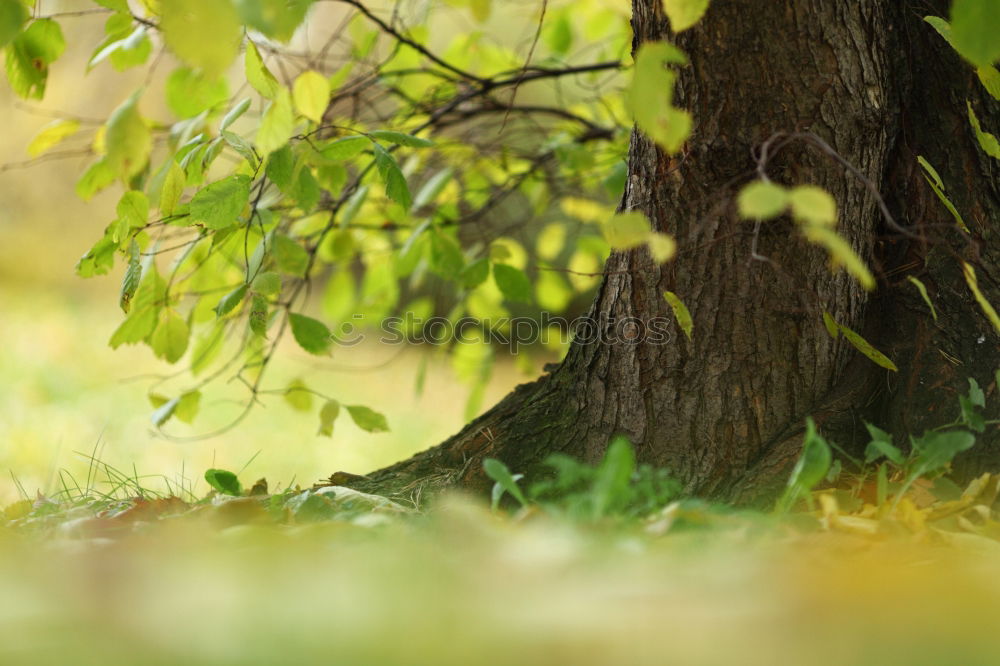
point(461, 586)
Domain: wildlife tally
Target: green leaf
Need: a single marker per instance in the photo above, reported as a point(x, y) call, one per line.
point(395, 182)
point(234, 113)
point(626, 230)
point(445, 255)
point(684, 13)
point(990, 78)
point(13, 15)
point(881, 445)
point(346, 147)
point(172, 189)
point(937, 449)
point(125, 46)
point(367, 419)
point(923, 294)
point(432, 188)
point(813, 204)
point(170, 339)
point(224, 481)
point(401, 139)
point(681, 313)
point(258, 315)
point(241, 146)
point(298, 395)
point(268, 284)
point(475, 273)
point(311, 93)
point(190, 92)
point(128, 139)
point(513, 283)
point(97, 176)
point(258, 75)
point(937, 186)
point(976, 395)
point(187, 406)
point(133, 209)
point(311, 334)
point(987, 141)
point(762, 200)
point(203, 33)
point(841, 252)
point(229, 302)
point(810, 469)
point(278, 124)
point(144, 311)
point(867, 349)
point(975, 25)
point(130, 281)
point(985, 305)
point(277, 19)
point(281, 167)
point(163, 413)
point(613, 477)
point(328, 413)
point(51, 135)
point(650, 96)
point(219, 204)
point(29, 56)
point(505, 482)
point(290, 257)
point(831, 325)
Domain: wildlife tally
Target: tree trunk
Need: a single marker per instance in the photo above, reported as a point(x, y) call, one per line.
point(724, 410)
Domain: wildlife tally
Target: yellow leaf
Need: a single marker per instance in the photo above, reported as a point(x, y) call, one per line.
point(662, 247)
point(841, 253)
point(813, 204)
point(626, 230)
point(762, 200)
point(684, 13)
point(973, 282)
point(681, 312)
point(311, 93)
point(51, 135)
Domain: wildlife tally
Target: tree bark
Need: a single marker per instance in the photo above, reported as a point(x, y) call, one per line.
point(724, 410)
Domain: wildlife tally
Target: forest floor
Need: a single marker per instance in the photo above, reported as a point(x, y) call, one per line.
point(110, 573)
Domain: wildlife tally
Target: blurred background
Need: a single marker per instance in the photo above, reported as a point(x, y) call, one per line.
point(67, 397)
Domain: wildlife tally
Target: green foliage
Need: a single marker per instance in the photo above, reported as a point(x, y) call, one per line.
point(224, 481)
point(614, 488)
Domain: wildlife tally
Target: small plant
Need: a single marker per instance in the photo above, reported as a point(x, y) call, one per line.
point(615, 487)
point(895, 472)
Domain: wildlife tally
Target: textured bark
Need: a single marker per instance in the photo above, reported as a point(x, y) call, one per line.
point(724, 410)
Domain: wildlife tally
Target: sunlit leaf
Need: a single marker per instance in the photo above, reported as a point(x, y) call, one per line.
point(13, 15)
point(278, 123)
point(29, 55)
point(128, 139)
point(170, 339)
point(681, 313)
point(203, 33)
point(813, 204)
point(811, 467)
point(975, 25)
point(258, 75)
point(219, 204)
point(684, 13)
point(311, 93)
point(987, 141)
point(626, 230)
point(762, 200)
point(51, 135)
point(298, 395)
